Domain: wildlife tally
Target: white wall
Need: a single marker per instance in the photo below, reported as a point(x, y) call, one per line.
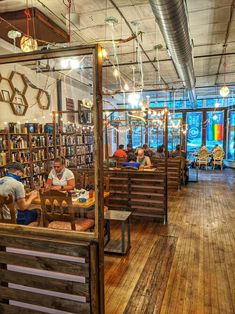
point(34, 113)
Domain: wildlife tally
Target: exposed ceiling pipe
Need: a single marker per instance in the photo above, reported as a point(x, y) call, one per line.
point(171, 16)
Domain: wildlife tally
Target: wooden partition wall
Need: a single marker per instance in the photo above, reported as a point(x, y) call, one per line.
point(52, 271)
point(143, 193)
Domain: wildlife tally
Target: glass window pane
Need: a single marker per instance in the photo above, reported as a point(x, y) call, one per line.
point(214, 129)
point(155, 136)
point(194, 139)
point(231, 136)
point(173, 134)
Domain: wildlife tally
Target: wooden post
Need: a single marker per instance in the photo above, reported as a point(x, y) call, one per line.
point(98, 165)
point(106, 141)
point(166, 157)
point(225, 131)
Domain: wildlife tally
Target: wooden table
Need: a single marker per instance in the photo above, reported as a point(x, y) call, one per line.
point(89, 203)
point(116, 246)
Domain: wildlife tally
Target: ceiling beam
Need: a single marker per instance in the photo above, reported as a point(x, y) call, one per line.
point(169, 59)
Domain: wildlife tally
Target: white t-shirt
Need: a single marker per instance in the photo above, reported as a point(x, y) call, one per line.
point(67, 175)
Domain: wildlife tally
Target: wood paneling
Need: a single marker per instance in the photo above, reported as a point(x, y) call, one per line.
point(59, 275)
point(143, 193)
point(202, 278)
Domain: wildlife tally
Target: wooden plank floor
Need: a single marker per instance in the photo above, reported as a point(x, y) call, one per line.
point(202, 275)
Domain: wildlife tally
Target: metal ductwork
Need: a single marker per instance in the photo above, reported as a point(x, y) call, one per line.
point(171, 16)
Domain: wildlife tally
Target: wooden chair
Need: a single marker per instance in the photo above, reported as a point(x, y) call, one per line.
point(8, 211)
point(217, 158)
point(203, 157)
point(59, 212)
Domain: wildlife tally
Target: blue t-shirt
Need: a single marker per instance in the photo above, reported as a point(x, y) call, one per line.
point(131, 164)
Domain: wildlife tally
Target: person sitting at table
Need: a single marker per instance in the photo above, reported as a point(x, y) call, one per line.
point(160, 151)
point(10, 184)
point(120, 152)
point(131, 162)
point(142, 159)
point(60, 178)
point(129, 150)
point(148, 151)
point(179, 152)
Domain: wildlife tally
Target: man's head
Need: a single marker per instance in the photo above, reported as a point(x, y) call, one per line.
point(59, 164)
point(129, 147)
point(121, 146)
point(140, 152)
point(145, 146)
point(16, 168)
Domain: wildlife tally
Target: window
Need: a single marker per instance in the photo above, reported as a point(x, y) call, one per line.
point(214, 129)
point(194, 138)
point(138, 134)
point(173, 133)
point(231, 136)
point(155, 136)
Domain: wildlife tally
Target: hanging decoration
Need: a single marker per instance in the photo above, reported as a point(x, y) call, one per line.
point(27, 43)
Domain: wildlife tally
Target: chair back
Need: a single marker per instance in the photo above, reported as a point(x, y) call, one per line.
point(203, 154)
point(218, 154)
point(7, 209)
point(57, 206)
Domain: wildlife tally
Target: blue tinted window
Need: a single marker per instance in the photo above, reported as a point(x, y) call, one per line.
point(194, 137)
point(231, 136)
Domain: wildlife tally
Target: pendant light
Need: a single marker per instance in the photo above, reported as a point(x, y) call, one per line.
point(27, 43)
point(224, 91)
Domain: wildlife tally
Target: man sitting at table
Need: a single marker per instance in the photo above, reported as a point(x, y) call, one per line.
point(60, 178)
point(142, 159)
point(120, 153)
point(10, 184)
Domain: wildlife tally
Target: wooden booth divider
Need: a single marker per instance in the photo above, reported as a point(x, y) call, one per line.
point(45, 273)
point(173, 171)
point(143, 193)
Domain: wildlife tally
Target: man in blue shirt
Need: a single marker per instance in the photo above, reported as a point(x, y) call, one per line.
point(10, 184)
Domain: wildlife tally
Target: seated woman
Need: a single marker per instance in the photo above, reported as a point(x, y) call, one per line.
point(142, 159)
point(131, 161)
point(160, 151)
point(60, 178)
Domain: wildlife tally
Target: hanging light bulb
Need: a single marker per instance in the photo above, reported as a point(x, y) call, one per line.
point(134, 98)
point(104, 53)
point(224, 91)
point(64, 63)
point(74, 64)
point(217, 104)
point(27, 44)
point(215, 117)
point(126, 87)
point(116, 72)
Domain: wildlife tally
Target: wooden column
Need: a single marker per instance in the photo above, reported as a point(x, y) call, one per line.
point(225, 133)
point(98, 165)
point(106, 141)
point(166, 156)
point(204, 127)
